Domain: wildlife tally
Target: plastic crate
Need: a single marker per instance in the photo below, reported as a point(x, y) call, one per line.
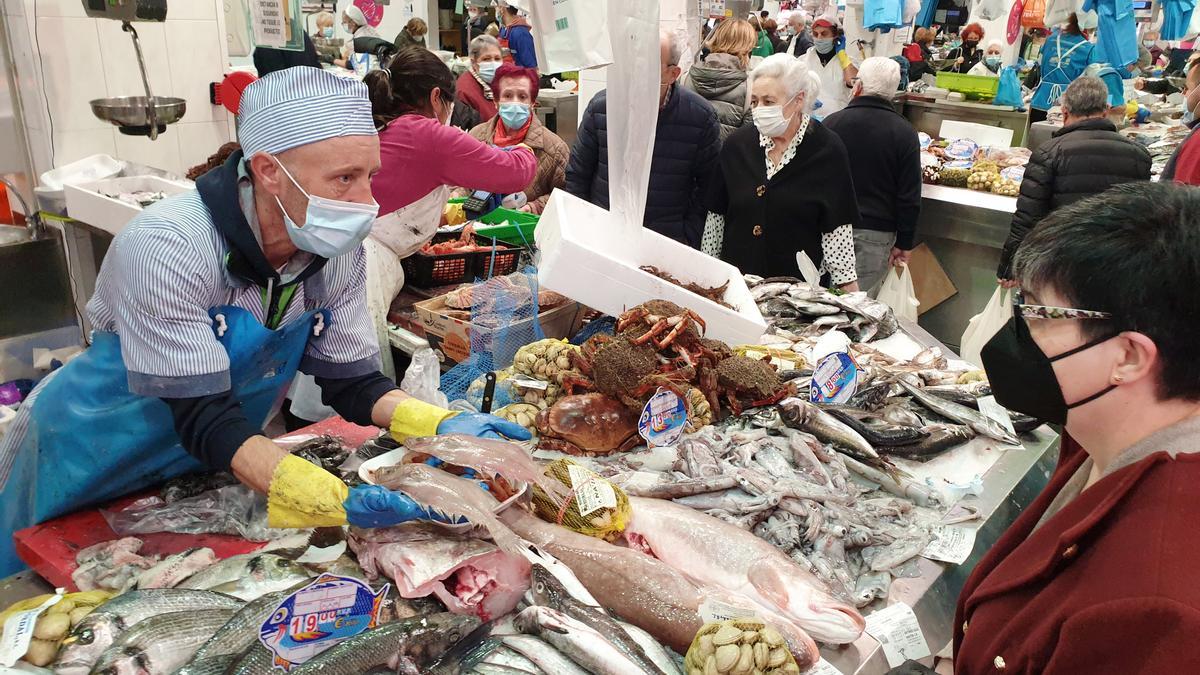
point(976, 87)
point(516, 234)
point(429, 271)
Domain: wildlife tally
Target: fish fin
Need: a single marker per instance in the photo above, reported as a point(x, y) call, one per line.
point(770, 584)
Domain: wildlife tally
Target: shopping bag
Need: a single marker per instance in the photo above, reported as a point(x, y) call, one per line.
point(570, 34)
point(897, 292)
point(984, 325)
point(1009, 91)
point(1033, 14)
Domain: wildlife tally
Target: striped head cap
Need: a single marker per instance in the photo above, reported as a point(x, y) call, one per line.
point(301, 105)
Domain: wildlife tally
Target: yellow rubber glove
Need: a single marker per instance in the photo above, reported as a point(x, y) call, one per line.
point(454, 214)
point(415, 418)
point(303, 495)
point(843, 59)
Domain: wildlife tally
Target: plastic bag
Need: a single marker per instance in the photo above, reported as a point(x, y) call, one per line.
point(989, 10)
point(234, 509)
point(422, 380)
point(897, 292)
point(570, 34)
point(1009, 91)
point(985, 324)
point(1033, 14)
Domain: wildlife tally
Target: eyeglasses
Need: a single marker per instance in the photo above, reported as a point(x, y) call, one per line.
point(1045, 312)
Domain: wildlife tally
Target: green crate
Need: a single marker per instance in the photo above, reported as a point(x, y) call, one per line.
point(511, 227)
point(976, 87)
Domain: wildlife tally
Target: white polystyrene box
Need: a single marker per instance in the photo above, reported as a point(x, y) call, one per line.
point(90, 203)
point(583, 256)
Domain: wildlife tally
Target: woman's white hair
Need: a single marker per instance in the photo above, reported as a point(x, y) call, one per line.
point(792, 74)
point(880, 76)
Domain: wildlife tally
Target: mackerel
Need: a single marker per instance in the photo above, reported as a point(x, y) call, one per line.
point(962, 414)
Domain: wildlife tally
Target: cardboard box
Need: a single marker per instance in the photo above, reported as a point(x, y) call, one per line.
point(90, 203)
point(450, 336)
point(583, 256)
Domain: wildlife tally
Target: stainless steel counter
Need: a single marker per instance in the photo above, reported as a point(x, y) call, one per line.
point(928, 116)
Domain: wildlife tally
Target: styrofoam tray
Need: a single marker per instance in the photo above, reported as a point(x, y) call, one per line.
point(367, 473)
point(90, 203)
point(583, 256)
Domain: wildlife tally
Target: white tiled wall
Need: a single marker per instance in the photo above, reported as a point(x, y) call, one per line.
point(63, 59)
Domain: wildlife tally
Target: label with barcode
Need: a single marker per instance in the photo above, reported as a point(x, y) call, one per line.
point(715, 610)
point(897, 630)
point(991, 409)
point(950, 544)
point(592, 493)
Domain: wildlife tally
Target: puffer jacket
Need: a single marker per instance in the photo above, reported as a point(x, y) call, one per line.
point(686, 145)
point(551, 153)
point(1081, 160)
point(721, 80)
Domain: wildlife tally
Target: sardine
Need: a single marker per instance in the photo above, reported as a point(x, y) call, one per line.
point(420, 640)
point(877, 433)
point(962, 414)
point(547, 592)
point(547, 658)
point(161, 644)
point(942, 437)
point(801, 414)
point(588, 646)
point(97, 631)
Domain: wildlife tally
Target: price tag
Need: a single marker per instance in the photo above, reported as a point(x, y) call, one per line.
point(591, 492)
point(950, 544)
point(528, 382)
point(991, 409)
point(663, 419)
point(835, 379)
point(329, 610)
point(822, 667)
point(715, 610)
point(898, 632)
point(267, 18)
point(18, 631)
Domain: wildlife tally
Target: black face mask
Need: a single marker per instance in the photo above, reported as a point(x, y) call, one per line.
point(970, 44)
point(1022, 376)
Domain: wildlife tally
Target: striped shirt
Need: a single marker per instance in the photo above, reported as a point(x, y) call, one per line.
point(166, 270)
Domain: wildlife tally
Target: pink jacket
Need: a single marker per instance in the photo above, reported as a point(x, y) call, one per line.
point(419, 154)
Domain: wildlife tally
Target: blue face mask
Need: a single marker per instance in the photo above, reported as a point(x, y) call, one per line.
point(823, 45)
point(487, 70)
point(993, 62)
point(331, 227)
point(514, 115)
point(328, 32)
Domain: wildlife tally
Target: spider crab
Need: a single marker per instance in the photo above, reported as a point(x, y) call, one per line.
point(741, 378)
point(626, 371)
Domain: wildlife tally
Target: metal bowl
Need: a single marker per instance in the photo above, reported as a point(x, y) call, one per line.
point(130, 111)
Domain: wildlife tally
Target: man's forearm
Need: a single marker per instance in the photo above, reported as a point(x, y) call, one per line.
point(381, 413)
point(255, 461)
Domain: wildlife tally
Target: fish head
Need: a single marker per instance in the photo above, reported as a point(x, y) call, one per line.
point(434, 635)
point(86, 642)
point(268, 567)
point(547, 590)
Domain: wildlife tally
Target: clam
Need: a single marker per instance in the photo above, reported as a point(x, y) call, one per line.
point(727, 657)
point(727, 635)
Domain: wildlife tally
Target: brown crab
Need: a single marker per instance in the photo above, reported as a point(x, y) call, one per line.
point(741, 378)
point(587, 424)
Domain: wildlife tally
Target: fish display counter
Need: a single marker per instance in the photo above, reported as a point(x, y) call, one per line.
point(764, 512)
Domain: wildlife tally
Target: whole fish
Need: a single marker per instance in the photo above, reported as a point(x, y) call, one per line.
point(766, 291)
point(260, 566)
point(485, 668)
point(419, 640)
point(736, 500)
point(452, 497)
point(468, 651)
point(897, 485)
point(492, 456)
point(901, 414)
point(941, 437)
point(800, 414)
point(588, 646)
point(684, 488)
point(547, 592)
point(161, 644)
point(543, 654)
point(876, 431)
point(962, 414)
point(508, 658)
point(657, 653)
point(242, 629)
point(98, 630)
point(716, 553)
point(260, 580)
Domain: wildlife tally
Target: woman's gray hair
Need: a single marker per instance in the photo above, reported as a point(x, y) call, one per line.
point(792, 74)
point(480, 43)
point(1086, 97)
point(880, 76)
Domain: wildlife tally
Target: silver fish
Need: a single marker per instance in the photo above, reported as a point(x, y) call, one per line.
point(507, 658)
point(684, 488)
point(962, 414)
point(161, 644)
point(545, 656)
point(586, 645)
point(732, 501)
point(897, 485)
point(240, 567)
point(242, 628)
point(97, 631)
point(766, 291)
point(420, 640)
point(214, 665)
point(657, 653)
point(805, 416)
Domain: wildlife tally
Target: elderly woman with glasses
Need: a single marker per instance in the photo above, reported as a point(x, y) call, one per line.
point(783, 185)
point(1097, 575)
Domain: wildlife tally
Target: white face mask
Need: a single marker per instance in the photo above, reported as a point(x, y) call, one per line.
point(770, 120)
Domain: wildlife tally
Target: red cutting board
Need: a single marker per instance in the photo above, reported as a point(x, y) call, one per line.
point(50, 548)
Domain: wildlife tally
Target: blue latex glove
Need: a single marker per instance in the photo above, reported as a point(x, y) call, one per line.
point(377, 506)
point(484, 426)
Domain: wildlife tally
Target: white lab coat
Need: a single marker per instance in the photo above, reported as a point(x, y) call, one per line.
point(834, 95)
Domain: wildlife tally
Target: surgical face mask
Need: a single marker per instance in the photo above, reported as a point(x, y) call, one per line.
point(487, 70)
point(1022, 376)
point(514, 115)
point(823, 45)
point(992, 62)
point(1147, 43)
point(771, 121)
point(331, 227)
point(328, 32)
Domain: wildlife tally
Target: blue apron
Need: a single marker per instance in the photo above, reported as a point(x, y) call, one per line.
point(1056, 80)
point(89, 439)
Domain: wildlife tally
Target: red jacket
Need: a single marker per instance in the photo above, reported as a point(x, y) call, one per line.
point(1106, 585)
point(470, 92)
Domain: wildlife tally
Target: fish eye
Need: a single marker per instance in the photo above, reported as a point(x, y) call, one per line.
point(87, 636)
point(539, 587)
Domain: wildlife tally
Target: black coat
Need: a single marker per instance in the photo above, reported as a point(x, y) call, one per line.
point(885, 160)
point(1081, 160)
point(970, 57)
point(768, 221)
point(685, 154)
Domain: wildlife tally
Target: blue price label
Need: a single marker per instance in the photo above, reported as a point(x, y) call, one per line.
point(835, 379)
point(329, 610)
point(663, 419)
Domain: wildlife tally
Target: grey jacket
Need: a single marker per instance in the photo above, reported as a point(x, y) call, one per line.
point(721, 80)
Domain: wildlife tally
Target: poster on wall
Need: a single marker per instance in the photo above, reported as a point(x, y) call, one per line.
point(717, 9)
point(273, 23)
